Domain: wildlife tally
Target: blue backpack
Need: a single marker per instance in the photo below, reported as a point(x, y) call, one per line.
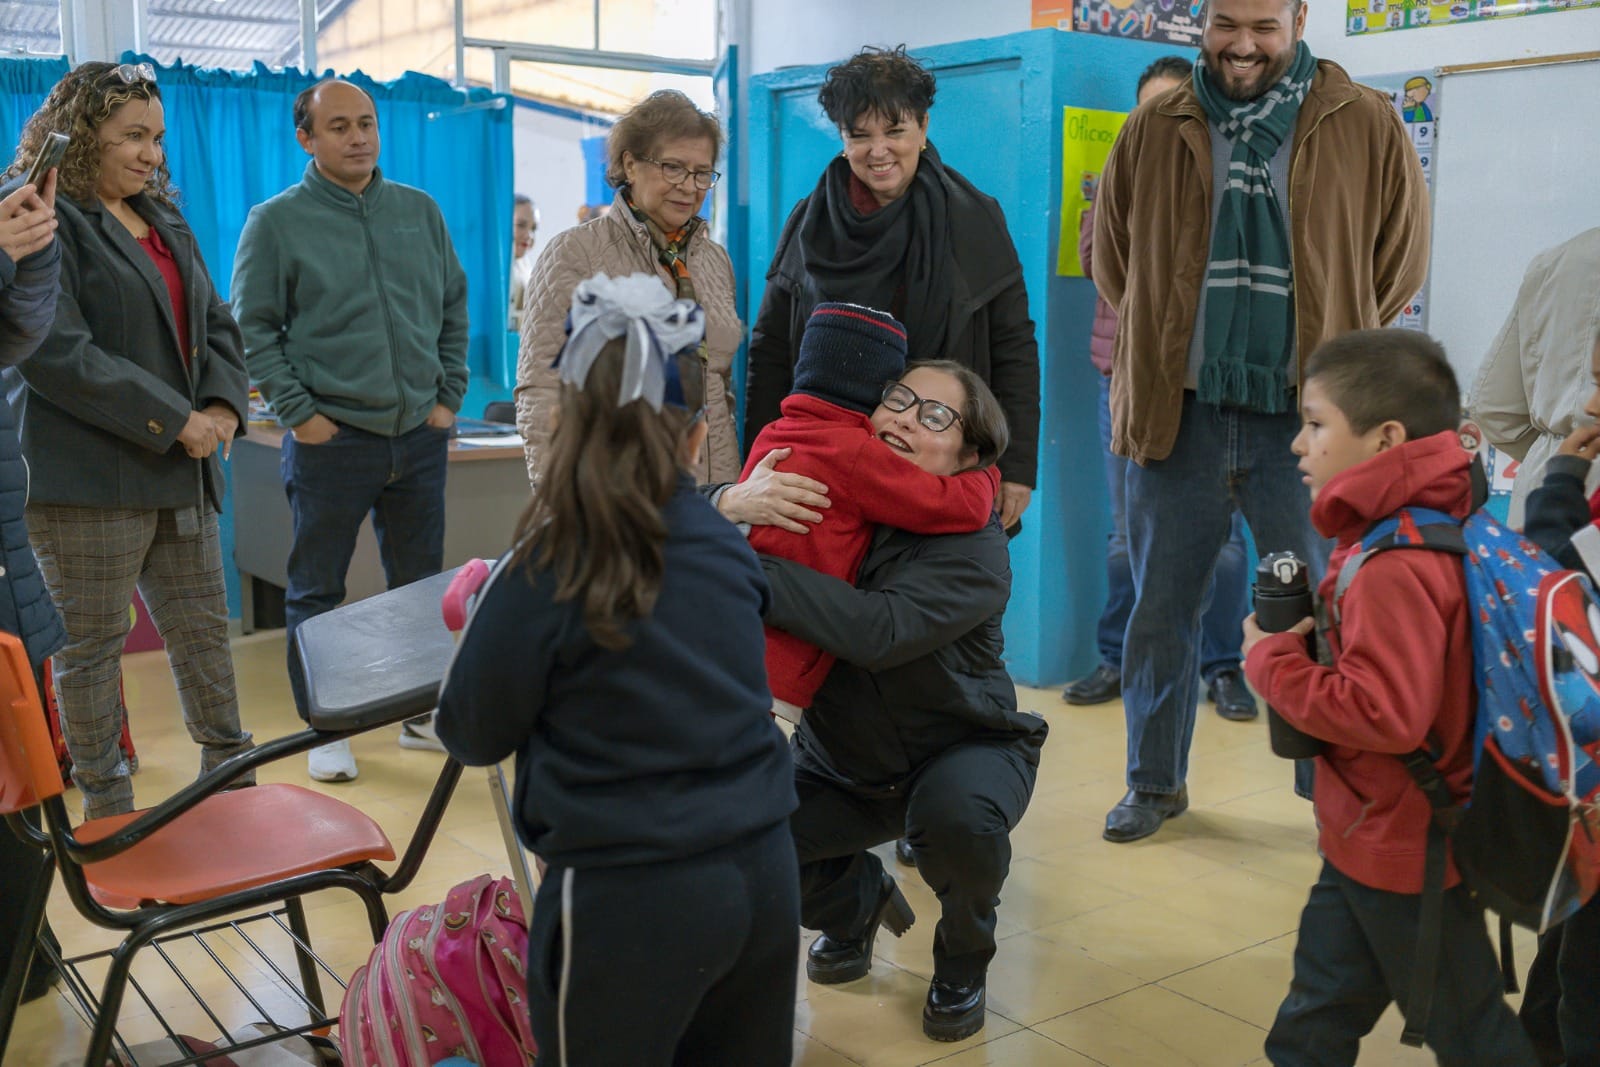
point(1527, 840)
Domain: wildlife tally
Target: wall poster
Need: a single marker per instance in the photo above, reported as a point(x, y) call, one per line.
point(1381, 16)
point(1166, 21)
point(1086, 139)
point(1416, 96)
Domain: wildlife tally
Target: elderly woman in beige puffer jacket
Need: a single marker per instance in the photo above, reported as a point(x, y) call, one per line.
point(660, 158)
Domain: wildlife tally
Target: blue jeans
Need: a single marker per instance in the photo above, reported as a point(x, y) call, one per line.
point(1227, 596)
point(331, 489)
point(1179, 513)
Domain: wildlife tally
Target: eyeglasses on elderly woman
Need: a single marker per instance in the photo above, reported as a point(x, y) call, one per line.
point(933, 415)
point(675, 173)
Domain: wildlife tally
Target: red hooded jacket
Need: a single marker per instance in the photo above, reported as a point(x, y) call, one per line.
point(868, 484)
point(1402, 673)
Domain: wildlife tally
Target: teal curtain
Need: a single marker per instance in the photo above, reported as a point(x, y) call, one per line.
point(231, 145)
point(24, 83)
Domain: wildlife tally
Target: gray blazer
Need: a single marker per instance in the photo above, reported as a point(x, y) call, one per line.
point(108, 392)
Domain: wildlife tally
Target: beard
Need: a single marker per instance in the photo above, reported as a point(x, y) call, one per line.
point(1249, 86)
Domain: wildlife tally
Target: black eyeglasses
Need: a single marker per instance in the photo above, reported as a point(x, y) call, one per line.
point(675, 173)
point(131, 73)
point(897, 396)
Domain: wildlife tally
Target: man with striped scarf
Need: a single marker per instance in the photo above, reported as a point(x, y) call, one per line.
point(1256, 210)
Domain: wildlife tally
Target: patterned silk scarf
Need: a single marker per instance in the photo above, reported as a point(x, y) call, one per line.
point(1249, 284)
point(672, 249)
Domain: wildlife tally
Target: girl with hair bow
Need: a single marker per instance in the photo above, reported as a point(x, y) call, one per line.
point(617, 651)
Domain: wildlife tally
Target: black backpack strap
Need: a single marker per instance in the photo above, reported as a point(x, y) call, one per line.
point(1430, 932)
point(1422, 766)
point(1508, 958)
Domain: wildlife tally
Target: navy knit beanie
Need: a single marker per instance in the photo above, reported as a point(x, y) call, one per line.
point(848, 354)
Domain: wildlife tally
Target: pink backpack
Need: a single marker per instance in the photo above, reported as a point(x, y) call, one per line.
point(447, 980)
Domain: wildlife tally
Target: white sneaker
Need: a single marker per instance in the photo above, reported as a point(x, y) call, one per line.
point(333, 762)
point(418, 733)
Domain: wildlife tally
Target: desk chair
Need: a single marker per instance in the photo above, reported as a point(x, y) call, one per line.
point(198, 862)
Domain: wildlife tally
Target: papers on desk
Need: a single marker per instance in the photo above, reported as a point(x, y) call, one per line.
point(489, 440)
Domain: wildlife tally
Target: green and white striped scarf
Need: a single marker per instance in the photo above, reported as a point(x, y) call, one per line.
point(1249, 284)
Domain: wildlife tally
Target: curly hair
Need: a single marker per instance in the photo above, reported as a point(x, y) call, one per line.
point(664, 115)
point(882, 80)
point(79, 104)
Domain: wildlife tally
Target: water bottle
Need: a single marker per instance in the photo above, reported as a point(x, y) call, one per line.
point(1283, 598)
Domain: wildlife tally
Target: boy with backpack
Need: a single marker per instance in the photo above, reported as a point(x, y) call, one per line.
point(1380, 410)
point(1562, 1004)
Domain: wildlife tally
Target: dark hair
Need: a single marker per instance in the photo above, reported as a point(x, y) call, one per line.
point(1175, 67)
point(302, 102)
point(1374, 376)
point(595, 519)
point(518, 199)
point(877, 79)
point(983, 420)
point(78, 105)
point(664, 115)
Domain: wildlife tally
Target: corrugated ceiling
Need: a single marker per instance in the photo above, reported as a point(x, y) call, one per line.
point(207, 33)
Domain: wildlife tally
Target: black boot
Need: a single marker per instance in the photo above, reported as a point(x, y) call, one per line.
point(954, 1010)
point(830, 961)
point(903, 853)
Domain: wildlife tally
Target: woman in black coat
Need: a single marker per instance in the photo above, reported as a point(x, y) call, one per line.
point(890, 226)
point(130, 403)
point(916, 730)
point(30, 264)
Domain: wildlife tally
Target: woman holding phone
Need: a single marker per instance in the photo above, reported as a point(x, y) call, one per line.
point(131, 401)
point(30, 264)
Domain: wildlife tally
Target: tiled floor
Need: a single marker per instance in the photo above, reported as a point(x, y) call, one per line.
point(1175, 950)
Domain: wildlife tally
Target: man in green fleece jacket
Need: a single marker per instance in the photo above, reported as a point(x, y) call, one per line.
point(354, 312)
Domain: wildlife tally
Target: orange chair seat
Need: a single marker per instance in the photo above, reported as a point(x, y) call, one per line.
point(232, 841)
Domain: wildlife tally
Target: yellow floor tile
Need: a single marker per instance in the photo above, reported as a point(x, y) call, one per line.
point(1025, 1048)
point(1151, 1026)
point(1248, 985)
point(1034, 979)
point(1206, 908)
point(877, 1021)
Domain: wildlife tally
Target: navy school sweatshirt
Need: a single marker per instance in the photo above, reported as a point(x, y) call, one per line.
point(660, 751)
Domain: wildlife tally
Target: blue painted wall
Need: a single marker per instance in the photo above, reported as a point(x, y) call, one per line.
point(997, 119)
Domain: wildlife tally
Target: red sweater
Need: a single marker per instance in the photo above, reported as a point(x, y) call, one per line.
point(868, 483)
point(1402, 667)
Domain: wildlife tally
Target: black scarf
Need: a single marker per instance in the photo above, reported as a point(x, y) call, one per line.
point(904, 246)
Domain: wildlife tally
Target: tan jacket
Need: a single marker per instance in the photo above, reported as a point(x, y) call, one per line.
point(1532, 387)
point(1359, 232)
point(614, 244)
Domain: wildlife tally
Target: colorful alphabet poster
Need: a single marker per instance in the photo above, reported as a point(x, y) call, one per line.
point(1416, 96)
point(1086, 139)
point(1167, 21)
point(1381, 16)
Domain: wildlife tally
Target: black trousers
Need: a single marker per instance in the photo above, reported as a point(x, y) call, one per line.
point(957, 813)
point(1561, 1006)
point(688, 963)
point(1354, 956)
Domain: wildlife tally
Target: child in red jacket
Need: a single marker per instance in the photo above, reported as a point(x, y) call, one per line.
point(1380, 410)
point(1561, 1005)
point(850, 361)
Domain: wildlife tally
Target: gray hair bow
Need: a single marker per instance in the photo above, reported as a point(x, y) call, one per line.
point(657, 327)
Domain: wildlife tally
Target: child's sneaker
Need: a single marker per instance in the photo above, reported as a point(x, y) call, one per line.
point(418, 733)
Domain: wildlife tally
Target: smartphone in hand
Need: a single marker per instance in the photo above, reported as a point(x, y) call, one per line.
point(54, 150)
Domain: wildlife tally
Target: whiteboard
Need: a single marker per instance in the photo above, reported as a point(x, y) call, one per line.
point(1517, 171)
